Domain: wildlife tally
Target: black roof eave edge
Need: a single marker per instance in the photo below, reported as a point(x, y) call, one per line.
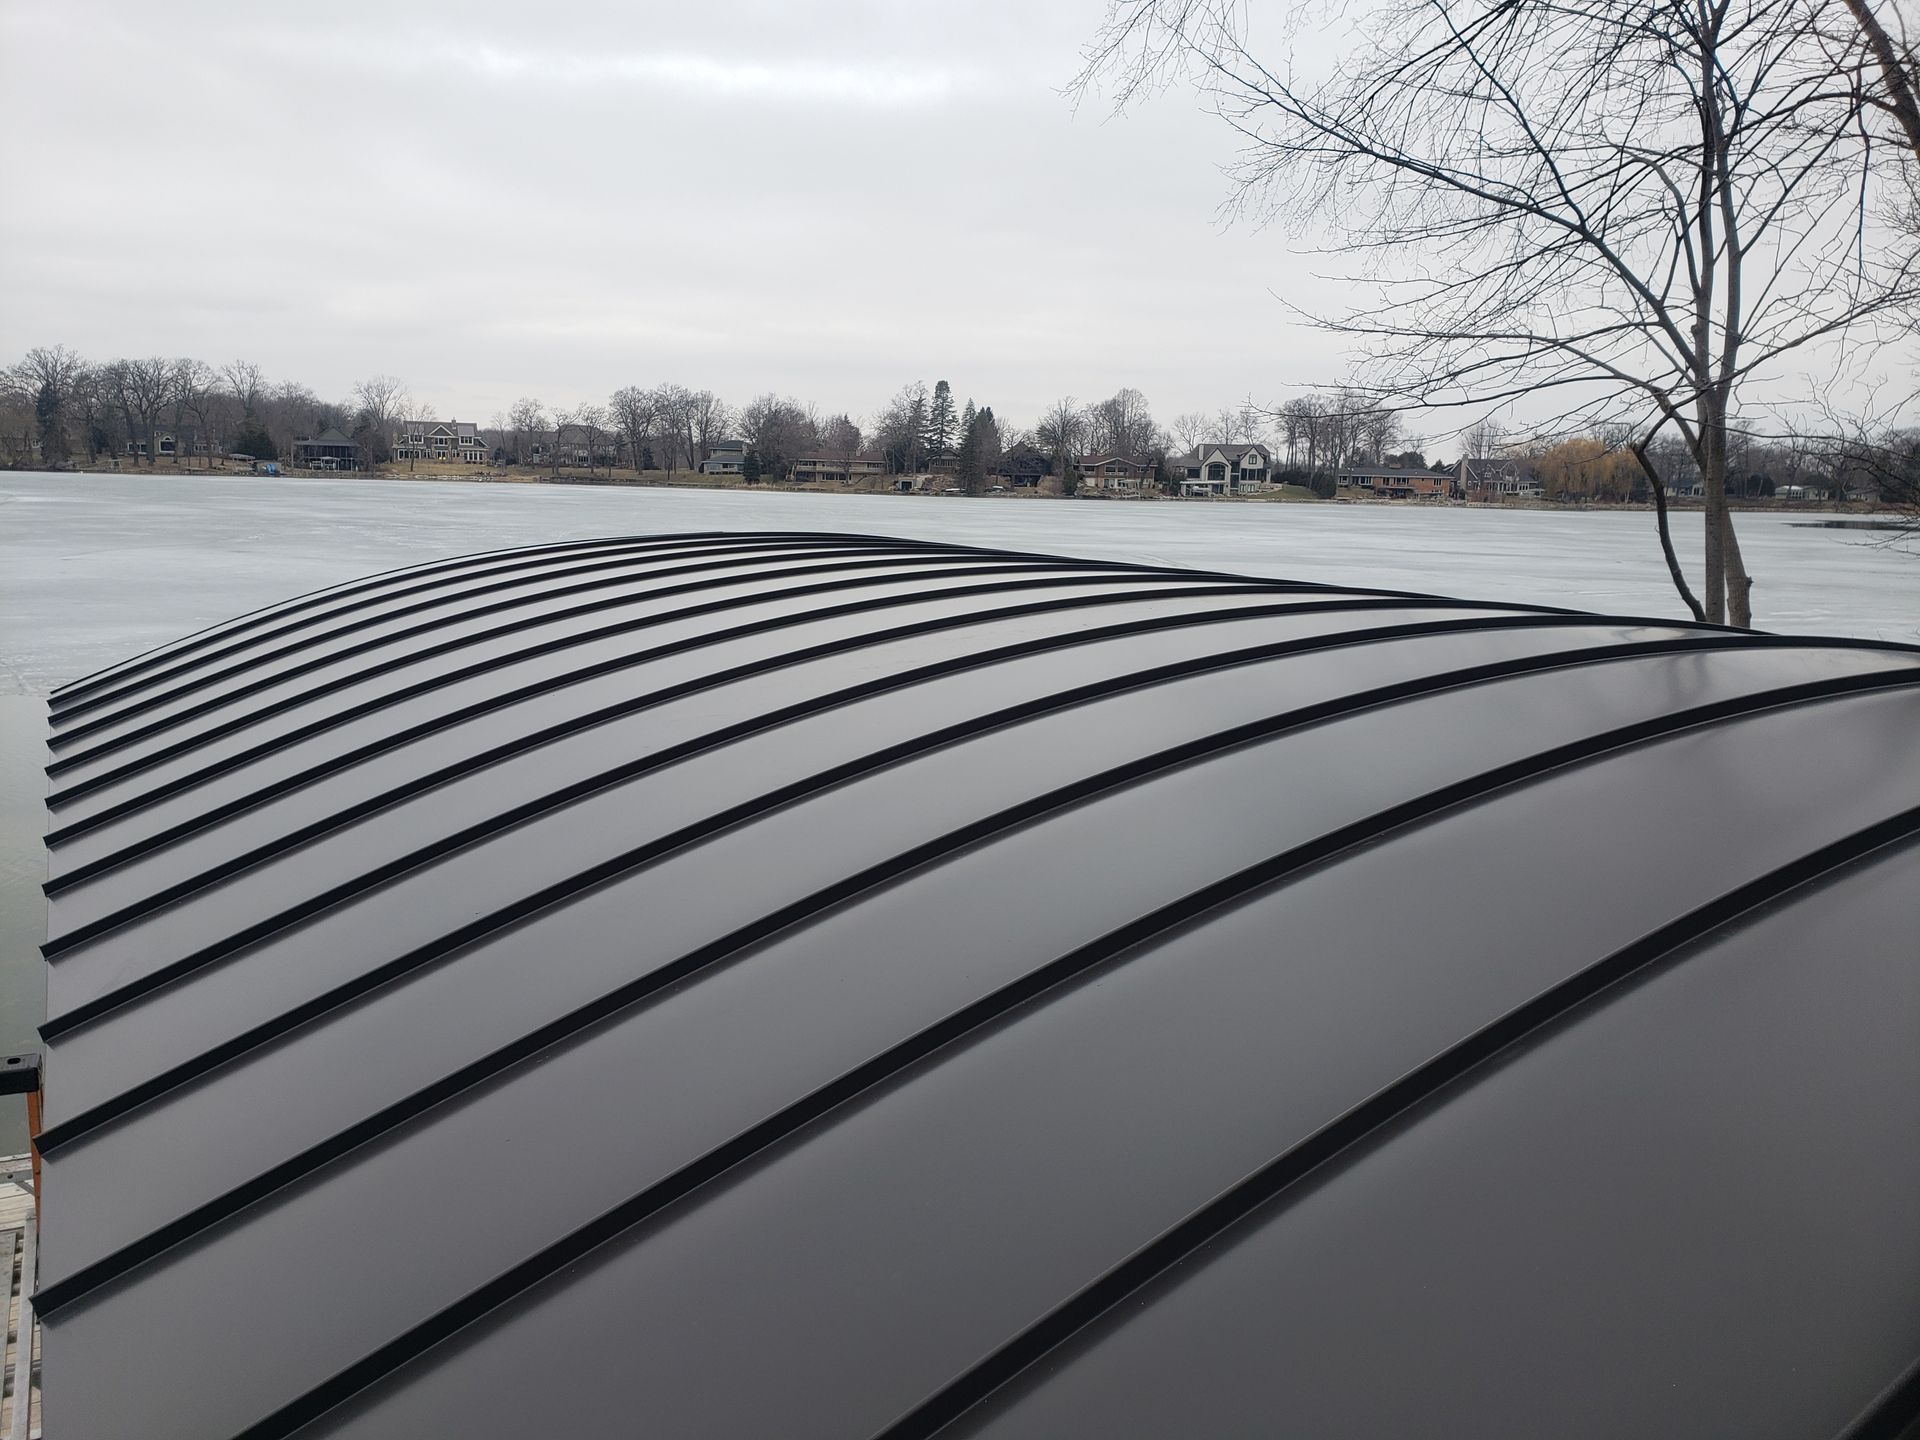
point(1893, 1414)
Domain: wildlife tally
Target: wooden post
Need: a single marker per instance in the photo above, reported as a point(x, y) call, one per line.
point(21, 1075)
point(33, 1138)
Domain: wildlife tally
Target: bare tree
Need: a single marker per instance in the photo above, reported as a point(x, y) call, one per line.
point(1123, 424)
point(675, 406)
point(527, 418)
point(1637, 208)
point(46, 382)
point(1296, 422)
point(1483, 440)
point(141, 390)
point(383, 403)
point(1378, 428)
point(197, 394)
point(93, 408)
point(592, 423)
point(707, 420)
point(1239, 424)
point(1060, 435)
point(247, 383)
point(289, 410)
point(840, 440)
point(1189, 429)
point(563, 421)
point(636, 414)
point(778, 431)
point(385, 398)
point(19, 448)
point(1897, 97)
point(899, 430)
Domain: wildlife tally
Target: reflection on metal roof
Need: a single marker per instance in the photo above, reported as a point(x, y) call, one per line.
point(810, 985)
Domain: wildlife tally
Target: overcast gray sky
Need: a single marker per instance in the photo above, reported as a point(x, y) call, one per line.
point(500, 197)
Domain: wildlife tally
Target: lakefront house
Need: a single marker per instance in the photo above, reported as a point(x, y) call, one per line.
point(727, 457)
point(445, 440)
point(1389, 482)
point(1114, 472)
point(329, 450)
point(835, 468)
point(1223, 469)
point(1493, 480)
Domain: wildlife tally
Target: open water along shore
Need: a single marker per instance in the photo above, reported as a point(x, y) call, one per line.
point(94, 568)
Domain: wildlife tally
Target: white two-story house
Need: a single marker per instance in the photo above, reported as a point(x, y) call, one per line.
point(1223, 469)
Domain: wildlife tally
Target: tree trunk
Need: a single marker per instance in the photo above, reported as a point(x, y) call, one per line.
point(1739, 583)
point(1712, 459)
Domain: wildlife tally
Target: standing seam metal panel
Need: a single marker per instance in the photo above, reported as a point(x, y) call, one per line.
point(825, 830)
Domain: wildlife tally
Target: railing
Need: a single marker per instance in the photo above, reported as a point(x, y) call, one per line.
point(19, 1237)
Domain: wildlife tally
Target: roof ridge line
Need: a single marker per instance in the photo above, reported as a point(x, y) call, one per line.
point(309, 598)
point(512, 561)
point(526, 743)
point(852, 575)
point(606, 574)
point(183, 659)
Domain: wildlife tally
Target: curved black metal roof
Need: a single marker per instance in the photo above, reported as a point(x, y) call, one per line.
point(815, 985)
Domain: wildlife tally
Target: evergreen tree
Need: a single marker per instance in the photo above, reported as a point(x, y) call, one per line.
point(940, 422)
point(255, 441)
point(967, 418)
point(750, 467)
point(53, 431)
point(971, 475)
point(979, 449)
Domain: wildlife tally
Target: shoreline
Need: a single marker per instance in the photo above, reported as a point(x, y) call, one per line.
point(1863, 516)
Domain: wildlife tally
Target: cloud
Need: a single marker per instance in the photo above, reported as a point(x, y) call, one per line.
point(875, 81)
point(884, 86)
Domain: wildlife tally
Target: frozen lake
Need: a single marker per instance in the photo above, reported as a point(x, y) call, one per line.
point(96, 568)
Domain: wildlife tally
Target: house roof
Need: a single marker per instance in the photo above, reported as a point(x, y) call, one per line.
point(1233, 454)
point(1389, 472)
point(329, 437)
point(741, 985)
point(458, 429)
point(1481, 469)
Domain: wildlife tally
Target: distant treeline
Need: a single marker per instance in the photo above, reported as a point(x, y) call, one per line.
point(58, 409)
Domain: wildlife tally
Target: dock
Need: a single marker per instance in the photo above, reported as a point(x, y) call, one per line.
point(21, 1370)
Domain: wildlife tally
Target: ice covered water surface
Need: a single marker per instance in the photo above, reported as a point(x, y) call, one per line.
point(96, 568)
